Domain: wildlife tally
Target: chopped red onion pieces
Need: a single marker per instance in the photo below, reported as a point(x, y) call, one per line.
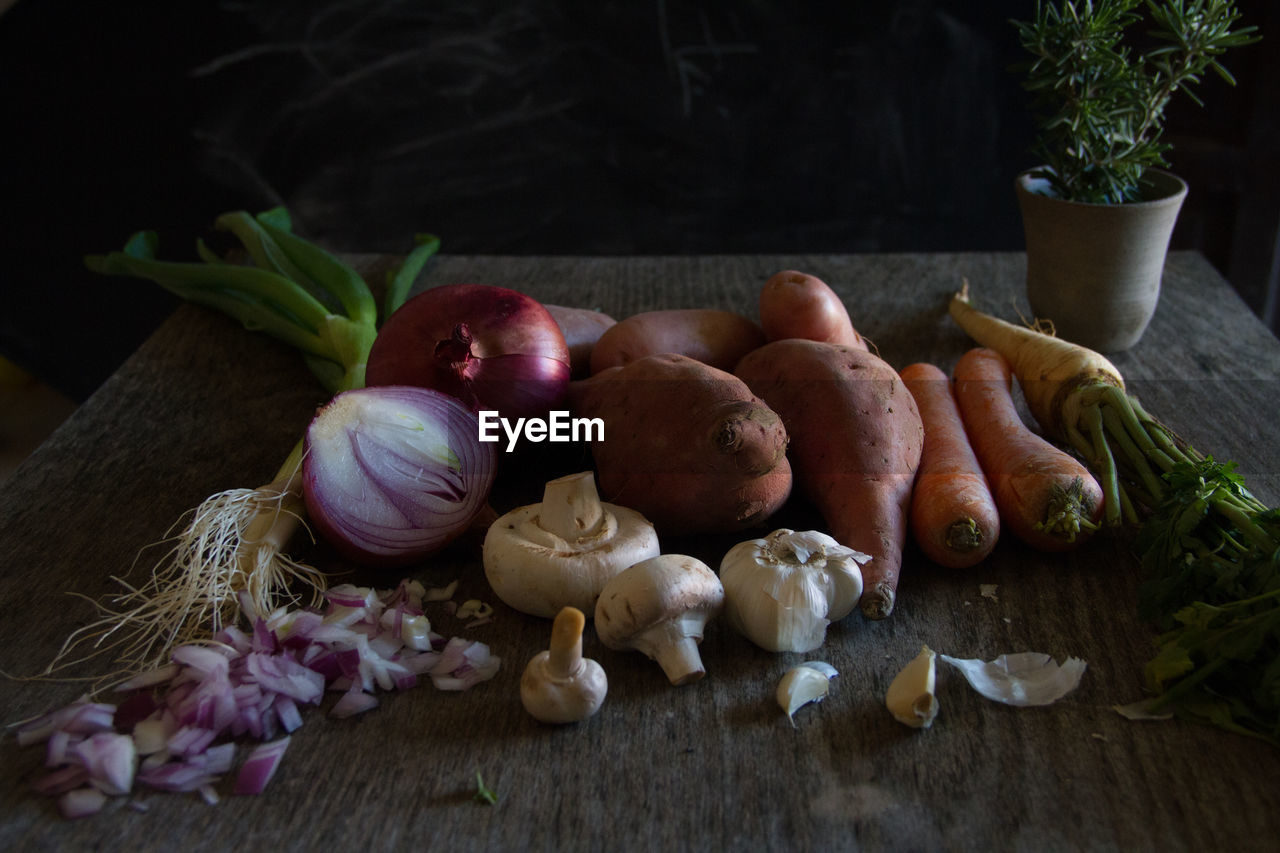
point(260, 766)
point(65, 778)
point(176, 723)
point(81, 802)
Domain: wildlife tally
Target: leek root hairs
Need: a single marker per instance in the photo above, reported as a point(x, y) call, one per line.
point(233, 542)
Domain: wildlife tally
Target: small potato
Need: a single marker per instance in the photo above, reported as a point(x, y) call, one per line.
point(581, 327)
point(798, 305)
point(714, 337)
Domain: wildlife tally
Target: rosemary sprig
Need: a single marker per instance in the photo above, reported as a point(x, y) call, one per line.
point(1100, 105)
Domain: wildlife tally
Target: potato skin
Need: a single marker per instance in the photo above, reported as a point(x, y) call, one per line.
point(581, 327)
point(685, 444)
point(794, 304)
point(709, 335)
point(856, 440)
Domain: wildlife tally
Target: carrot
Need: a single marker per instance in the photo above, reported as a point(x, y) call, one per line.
point(1206, 545)
point(1058, 378)
point(954, 518)
point(1078, 397)
point(798, 305)
point(1045, 496)
point(855, 445)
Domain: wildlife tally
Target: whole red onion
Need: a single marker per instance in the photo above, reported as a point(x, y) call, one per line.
point(491, 347)
point(394, 473)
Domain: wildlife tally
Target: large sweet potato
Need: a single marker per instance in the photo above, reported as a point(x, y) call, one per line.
point(856, 439)
point(685, 444)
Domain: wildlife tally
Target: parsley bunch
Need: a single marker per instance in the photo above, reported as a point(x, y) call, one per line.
point(1101, 107)
point(1211, 555)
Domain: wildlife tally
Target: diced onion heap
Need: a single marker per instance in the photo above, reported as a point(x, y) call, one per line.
point(174, 729)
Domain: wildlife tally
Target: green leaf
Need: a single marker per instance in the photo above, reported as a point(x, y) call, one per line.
point(484, 794)
point(400, 280)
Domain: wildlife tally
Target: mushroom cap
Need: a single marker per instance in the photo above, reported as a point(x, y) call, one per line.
point(664, 589)
point(552, 699)
point(537, 572)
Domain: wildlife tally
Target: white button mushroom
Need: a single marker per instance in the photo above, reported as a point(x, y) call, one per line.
point(561, 552)
point(660, 607)
point(559, 685)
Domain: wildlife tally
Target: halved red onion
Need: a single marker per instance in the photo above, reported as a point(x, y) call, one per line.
point(490, 347)
point(395, 473)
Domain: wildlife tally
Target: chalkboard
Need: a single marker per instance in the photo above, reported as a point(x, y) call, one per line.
point(625, 127)
point(504, 126)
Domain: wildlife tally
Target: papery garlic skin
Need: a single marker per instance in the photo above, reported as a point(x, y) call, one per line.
point(782, 591)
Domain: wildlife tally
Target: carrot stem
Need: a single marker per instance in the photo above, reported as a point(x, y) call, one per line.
point(1114, 423)
point(1065, 514)
point(1104, 463)
point(1243, 521)
point(964, 535)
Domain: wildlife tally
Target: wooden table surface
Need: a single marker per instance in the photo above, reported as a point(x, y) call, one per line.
point(205, 406)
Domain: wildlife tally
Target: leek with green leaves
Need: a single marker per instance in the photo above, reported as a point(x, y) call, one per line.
point(235, 542)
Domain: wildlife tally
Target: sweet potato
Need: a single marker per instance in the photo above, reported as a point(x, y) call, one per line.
point(856, 439)
point(685, 444)
point(709, 335)
point(581, 327)
point(794, 304)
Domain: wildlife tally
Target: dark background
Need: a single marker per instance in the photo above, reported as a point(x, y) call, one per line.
point(539, 127)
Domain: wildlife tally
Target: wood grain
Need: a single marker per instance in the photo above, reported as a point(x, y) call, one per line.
point(204, 406)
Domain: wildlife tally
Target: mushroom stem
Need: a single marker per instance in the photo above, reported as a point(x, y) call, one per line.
point(566, 643)
point(559, 685)
point(571, 507)
point(681, 662)
point(670, 644)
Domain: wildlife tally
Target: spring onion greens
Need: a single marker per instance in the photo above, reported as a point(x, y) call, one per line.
point(235, 540)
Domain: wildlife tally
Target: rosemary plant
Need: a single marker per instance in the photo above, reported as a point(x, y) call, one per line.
point(1100, 104)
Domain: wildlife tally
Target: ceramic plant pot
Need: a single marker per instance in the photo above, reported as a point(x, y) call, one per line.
point(1094, 270)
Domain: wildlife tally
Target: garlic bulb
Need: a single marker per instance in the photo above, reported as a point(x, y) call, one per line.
point(782, 591)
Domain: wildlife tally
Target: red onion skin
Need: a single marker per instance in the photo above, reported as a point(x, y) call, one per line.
point(489, 346)
point(330, 517)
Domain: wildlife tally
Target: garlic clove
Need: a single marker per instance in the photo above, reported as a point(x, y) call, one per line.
point(910, 697)
point(808, 682)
